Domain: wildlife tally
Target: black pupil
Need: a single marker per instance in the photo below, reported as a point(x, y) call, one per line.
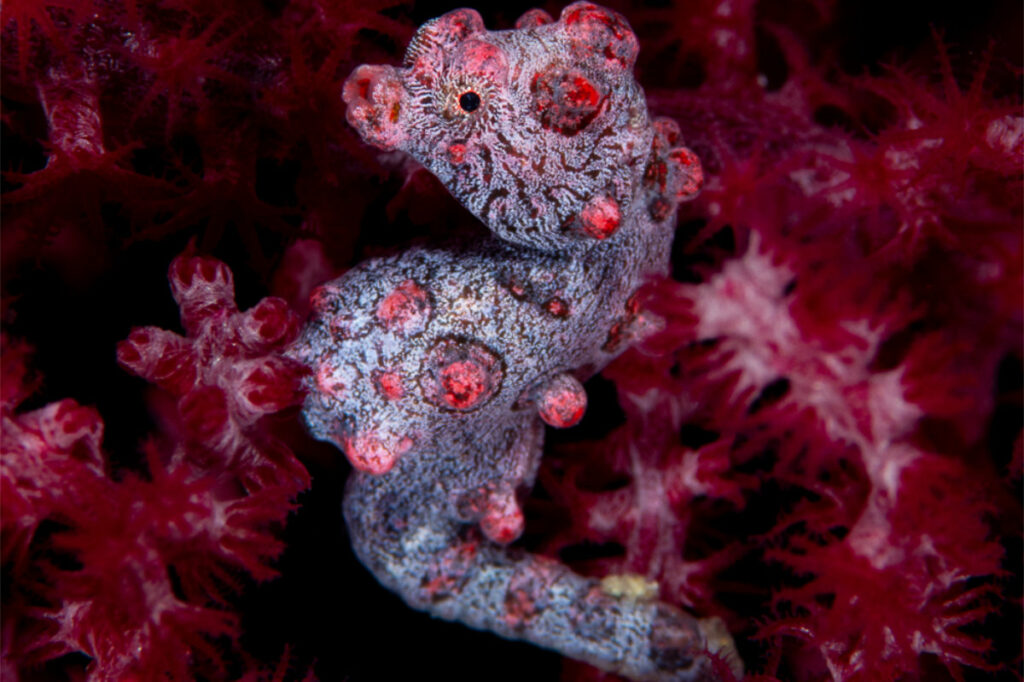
point(469, 101)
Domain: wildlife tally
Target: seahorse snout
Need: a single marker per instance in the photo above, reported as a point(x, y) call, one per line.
point(375, 97)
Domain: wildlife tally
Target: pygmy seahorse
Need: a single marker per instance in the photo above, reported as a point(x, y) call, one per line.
point(435, 369)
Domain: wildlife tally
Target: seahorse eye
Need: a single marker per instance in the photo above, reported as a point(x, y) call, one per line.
point(469, 101)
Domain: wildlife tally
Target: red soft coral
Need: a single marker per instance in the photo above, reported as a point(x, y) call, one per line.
point(135, 573)
point(50, 455)
point(907, 579)
point(850, 300)
point(180, 67)
point(155, 560)
point(122, 608)
point(226, 375)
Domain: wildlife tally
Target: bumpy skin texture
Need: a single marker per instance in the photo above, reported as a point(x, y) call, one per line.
point(434, 369)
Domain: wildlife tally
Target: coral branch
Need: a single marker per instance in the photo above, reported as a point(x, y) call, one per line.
point(226, 375)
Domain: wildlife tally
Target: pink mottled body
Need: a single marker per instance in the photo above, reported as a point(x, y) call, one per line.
point(435, 369)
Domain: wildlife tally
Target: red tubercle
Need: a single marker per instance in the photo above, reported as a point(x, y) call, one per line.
point(503, 520)
point(502, 528)
point(600, 218)
point(484, 59)
point(322, 300)
point(616, 336)
point(406, 310)
point(562, 402)
point(517, 290)
point(666, 133)
point(456, 153)
point(326, 382)
point(361, 87)
point(389, 384)
point(375, 452)
point(533, 18)
point(581, 93)
point(595, 30)
point(656, 174)
point(458, 25)
point(373, 97)
point(461, 375)
point(633, 303)
point(690, 172)
point(629, 325)
point(565, 100)
point(464, 382)
point(557, 307)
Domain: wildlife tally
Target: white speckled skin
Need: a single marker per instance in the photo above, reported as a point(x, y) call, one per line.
point(430, 366)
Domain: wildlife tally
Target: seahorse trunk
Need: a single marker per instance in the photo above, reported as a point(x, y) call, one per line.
point(434, 368)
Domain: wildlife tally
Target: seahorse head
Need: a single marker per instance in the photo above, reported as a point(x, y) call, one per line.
point(542, 131)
